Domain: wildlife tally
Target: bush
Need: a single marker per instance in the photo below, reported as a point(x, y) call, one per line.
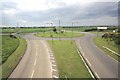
point(54, 30)
point(113, 36)
point(90, 30)
point(62, 32)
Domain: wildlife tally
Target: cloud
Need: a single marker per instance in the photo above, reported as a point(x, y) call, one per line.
point(88, 14)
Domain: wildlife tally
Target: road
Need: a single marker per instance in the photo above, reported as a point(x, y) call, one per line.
point(35, 62)
point(101, 64)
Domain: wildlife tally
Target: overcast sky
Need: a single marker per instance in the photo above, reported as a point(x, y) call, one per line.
point(41, 12)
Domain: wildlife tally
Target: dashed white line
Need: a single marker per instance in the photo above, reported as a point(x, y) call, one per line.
point(36, 53)
point(54, 70)
point(53, 65)
point(32, 74)
point(55, 76)
point(97, 75)
point(35, 62)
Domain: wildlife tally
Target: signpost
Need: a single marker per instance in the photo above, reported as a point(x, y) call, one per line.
point(72, 29)
point(101, 28)
point(59, 30)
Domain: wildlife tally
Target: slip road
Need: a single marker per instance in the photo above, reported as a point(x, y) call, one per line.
point(35, 63)
point(102, 65)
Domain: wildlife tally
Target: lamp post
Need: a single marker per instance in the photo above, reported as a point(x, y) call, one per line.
point(51, 35)
point(51, 24)
point(72, 29)
point(59, 30)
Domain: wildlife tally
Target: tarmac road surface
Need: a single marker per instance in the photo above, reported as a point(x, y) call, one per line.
point(35, 62)
point(102, 64)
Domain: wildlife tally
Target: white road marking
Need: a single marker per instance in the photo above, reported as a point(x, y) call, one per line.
point(54, 70)
point(36, 53)
point(52, 61)
point(35, 62)
point(88, 61)
point(86, 65)
point(97, 75)
point(53, 65)
point(32, 74)
point(55, 76)
point(111, 50)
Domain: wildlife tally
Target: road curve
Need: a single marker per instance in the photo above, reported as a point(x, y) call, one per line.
point(35, 63)
point(102, 65)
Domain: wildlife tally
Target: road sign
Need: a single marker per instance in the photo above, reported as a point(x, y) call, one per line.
point(101, 27)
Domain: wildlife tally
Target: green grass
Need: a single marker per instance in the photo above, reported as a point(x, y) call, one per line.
point(81, 29)
point(9, 45)
point(0, 48)
point(56, 35)
point(9, 65)
point(8, 30)
point(68, 61)
point(100, 42)
point(25, 30)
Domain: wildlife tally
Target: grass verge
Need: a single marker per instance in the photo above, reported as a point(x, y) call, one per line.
point(9, 45)
point(100, 42)
point(62, 35)
point(68, 61)
point(9, 65)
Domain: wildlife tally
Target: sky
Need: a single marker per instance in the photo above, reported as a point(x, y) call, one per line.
point(44, 12)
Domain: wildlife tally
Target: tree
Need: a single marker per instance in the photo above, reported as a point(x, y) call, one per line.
point(54, 30)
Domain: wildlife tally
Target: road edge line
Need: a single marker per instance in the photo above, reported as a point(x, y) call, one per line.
point(86, 64)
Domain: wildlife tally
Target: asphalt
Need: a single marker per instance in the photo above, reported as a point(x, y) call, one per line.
point(39, 66)
point(101, 64)
point(35, 62)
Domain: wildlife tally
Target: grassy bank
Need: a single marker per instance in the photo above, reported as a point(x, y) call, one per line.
point(13, 59)
point(9, 45)
point(62, 35)
point(68, 61)
point(100, 42)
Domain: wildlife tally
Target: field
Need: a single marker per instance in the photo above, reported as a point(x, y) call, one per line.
point(62, 35)
point(100, 42)
point(81, 29)
point(89, 29)
point(68, 61)
point(24, 30)
point(12, 61)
